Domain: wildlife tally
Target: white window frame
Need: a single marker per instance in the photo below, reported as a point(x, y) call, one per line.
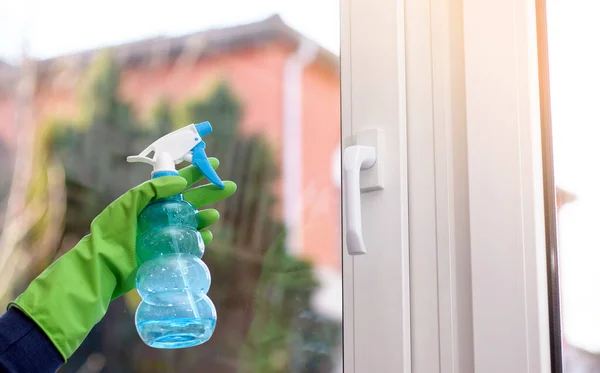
point(407, 304)
point(376, 285)
point(506, 187)
point(455, 278)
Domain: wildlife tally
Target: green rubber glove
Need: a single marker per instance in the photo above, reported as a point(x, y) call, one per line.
point(73, 293)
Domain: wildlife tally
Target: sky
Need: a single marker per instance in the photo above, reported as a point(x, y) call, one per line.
point(51, 28)
point(56, 27)
point(574, 48)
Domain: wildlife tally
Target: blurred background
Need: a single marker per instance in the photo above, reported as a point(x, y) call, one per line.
point(574, 57)
point(84, 84)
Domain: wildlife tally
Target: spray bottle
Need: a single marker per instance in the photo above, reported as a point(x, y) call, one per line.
point(172, 280)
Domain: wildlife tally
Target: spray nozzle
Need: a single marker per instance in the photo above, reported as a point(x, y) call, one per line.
point(183, 144)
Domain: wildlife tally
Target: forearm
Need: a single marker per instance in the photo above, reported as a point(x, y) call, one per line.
point(24, 347)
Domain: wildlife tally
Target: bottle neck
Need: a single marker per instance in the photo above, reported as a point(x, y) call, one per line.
point(157, 174)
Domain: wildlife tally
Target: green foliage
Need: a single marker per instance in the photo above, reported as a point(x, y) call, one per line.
point(222, 110)
point(283, 293)
point(258, 288)
point(162, 119)
point(100, 100)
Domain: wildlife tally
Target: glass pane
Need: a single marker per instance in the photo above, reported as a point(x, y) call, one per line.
point(83, 85)
point(573, 32)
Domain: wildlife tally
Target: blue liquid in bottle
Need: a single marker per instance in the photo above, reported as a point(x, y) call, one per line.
point(172, 280)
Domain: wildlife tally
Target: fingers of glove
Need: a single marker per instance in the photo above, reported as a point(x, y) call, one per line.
point(207, 194)
point(192, 173)
point(207, 236)
point(154, 189)
point(207, 218)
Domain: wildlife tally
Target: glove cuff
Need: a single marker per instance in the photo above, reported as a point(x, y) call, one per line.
point(70, 297)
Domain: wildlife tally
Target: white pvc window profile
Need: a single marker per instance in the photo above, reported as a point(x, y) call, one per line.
point(454, 279)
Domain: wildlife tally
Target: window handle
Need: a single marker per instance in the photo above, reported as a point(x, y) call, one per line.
point(355, 159)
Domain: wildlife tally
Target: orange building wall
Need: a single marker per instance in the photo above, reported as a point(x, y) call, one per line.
point(255, 74)
point(321, 129)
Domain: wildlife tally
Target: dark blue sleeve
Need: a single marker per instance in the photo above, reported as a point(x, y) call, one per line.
point(24, 347)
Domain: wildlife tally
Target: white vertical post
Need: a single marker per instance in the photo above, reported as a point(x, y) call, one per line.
point(510, 306)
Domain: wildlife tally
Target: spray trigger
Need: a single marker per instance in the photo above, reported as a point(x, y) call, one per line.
point(200, 160)
point(183, 144)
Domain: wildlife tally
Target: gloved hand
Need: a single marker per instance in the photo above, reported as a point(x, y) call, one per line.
point(73, 293)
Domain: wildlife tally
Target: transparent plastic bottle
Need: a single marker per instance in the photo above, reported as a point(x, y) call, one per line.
point(172, 280)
